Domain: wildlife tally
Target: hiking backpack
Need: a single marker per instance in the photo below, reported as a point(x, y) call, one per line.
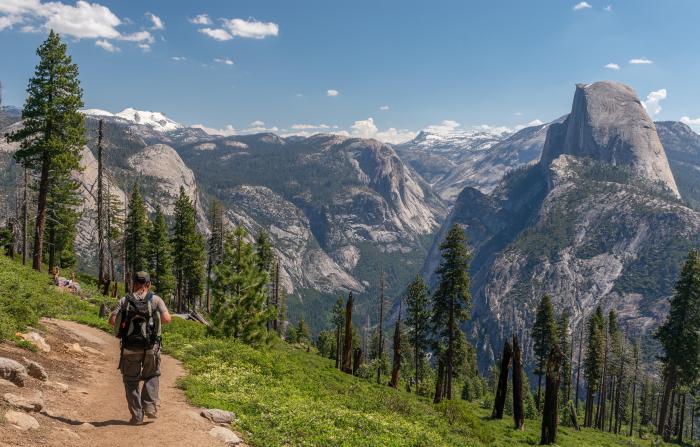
point(138, 324)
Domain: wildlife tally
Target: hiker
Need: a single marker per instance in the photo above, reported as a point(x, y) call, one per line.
point(137, 320)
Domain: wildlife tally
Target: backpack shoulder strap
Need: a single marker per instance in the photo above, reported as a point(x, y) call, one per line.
point(149, 300)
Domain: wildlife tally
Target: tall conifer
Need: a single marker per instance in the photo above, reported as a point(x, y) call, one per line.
point(53, 130)
point(418, 322)
point(160, 256)
point(452, 298)
point(544, 335)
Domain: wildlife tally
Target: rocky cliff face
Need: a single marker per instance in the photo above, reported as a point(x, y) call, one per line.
point(472, 159)
point(338, 209)
point(597, 221)
point(608, 123)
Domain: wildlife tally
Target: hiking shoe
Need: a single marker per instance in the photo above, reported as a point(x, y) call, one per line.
point(151, 414)
point(134, 421)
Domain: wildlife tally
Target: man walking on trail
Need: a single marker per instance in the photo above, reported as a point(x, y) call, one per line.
point(137, 320)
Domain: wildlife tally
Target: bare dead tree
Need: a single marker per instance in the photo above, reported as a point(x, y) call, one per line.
point(502, 389)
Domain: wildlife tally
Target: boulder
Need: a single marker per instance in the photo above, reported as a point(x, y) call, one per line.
point(218, 416)
point(32, 403)
point(21, 421)
point(35, 370)
point(38, 340)
point(13, 371)
point(74, 348)
point(225, 435)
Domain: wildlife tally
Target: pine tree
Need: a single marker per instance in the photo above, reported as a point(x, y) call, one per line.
point(347, 342)
point(136, 235)
point(396, 363)
point(61, 216)
point(593, 364)
point(380, 328)
point(338, 320)
point(53, 131)
point(680, 338)
point(544, 335)
point(265, 256)
point(188, 253)
point(303, 335)
point(565, 347)
point(215, 243)
point(160, 262)
point(418, 322)
point(239, 291)
point(452, 298)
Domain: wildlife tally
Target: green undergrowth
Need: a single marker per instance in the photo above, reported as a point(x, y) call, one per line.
point(283, 396)
point(27, 295)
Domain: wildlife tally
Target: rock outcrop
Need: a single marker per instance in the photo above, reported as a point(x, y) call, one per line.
point(608, 123)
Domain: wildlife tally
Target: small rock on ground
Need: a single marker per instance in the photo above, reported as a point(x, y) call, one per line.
point(21, 421)
point(35, 370)
point(225, 435)
point(73, 347)
point(38, 340)
point(13, 371)
point(218, 416)
point(33, 403)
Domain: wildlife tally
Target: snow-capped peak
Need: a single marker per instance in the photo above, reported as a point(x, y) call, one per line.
point(155, 120)
point(96, 112)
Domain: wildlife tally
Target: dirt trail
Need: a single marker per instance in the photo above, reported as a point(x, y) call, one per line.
point(95, 396)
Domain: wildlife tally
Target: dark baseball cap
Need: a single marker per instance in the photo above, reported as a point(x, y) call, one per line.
point(142, 277)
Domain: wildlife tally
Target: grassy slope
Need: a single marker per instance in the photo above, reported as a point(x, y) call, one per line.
point(285, 396)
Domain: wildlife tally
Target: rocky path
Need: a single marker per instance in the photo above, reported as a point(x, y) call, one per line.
point(83, 399)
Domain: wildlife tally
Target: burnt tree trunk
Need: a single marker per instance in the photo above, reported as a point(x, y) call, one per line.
point(439, 386)
point(502, 389)
point(574, 416)
point(663, 427)
point(356, 360)
point(518, 407)
point(550, 412)
point(347, 345)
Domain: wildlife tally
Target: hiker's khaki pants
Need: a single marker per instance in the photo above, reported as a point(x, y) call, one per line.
point(140, 366)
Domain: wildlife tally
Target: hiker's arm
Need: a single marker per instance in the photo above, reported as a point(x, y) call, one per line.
point(165, 317)
point(113, 315)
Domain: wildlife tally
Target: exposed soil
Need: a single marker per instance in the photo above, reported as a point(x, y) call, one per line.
point(92, 411)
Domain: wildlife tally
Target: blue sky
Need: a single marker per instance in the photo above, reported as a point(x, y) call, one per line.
point(405, 64)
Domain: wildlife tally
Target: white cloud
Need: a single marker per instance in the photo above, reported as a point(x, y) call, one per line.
point(519, 114)
point(310, 126)
point(201, 19)
point(384, 108)
point(179, 58)
point(156, 21)
point(84, 20)
point(612, 66)
point(367, 129)
point(651, 104)
point(299, 95)
point(496, 129)
point(444, 128)
point(107, 46)
point(332, 92)
point(251, 28)
point(641, 61)
point(259, 127)
point(144, 47)
point(227, 131)
point(608, 8)
point(225, 61)
point(216, 34)
point(690, 121)
point(582, 5)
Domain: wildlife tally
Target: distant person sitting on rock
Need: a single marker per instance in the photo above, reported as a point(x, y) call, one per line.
point(137, 320)
point(59, 280)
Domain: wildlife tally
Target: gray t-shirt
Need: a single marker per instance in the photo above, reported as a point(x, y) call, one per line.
point(157, 303)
